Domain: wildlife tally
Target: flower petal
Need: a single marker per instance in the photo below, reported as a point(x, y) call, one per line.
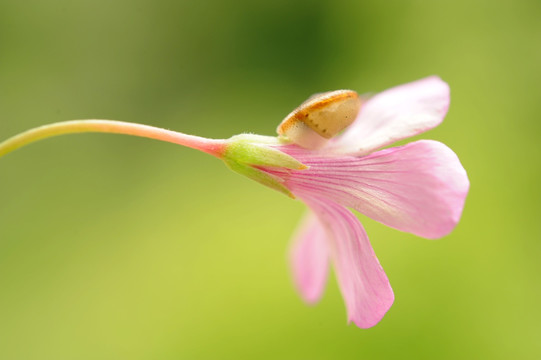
point(363, 283)
point(310, 259)
point(395, 114)
point(418, 188)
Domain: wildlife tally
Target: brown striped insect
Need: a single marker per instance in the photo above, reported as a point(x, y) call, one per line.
point(320, 118)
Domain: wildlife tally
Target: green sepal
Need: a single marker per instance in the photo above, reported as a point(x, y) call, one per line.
point(245, 152)
point(254, 150)
point(258, 175)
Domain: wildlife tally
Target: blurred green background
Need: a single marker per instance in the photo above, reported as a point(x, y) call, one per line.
point(114, 247)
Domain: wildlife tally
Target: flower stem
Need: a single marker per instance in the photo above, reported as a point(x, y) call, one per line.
point(210, 146)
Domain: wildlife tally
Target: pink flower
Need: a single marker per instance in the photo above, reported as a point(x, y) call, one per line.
point(418, 188)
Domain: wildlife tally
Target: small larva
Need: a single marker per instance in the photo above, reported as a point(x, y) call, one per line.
point(320, 118)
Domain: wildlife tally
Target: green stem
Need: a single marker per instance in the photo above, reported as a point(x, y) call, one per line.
point(210, 146)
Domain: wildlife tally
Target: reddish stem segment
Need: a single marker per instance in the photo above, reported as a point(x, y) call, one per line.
point(209, 146)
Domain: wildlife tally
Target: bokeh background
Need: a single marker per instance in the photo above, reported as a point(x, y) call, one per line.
point(124, 248)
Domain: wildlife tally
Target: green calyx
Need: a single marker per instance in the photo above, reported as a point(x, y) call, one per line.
point(245, 151)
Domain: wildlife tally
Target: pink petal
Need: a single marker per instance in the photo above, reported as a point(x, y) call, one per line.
point(310, 259)
point(395, 114)
point(419, 188)
point(364, 285)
